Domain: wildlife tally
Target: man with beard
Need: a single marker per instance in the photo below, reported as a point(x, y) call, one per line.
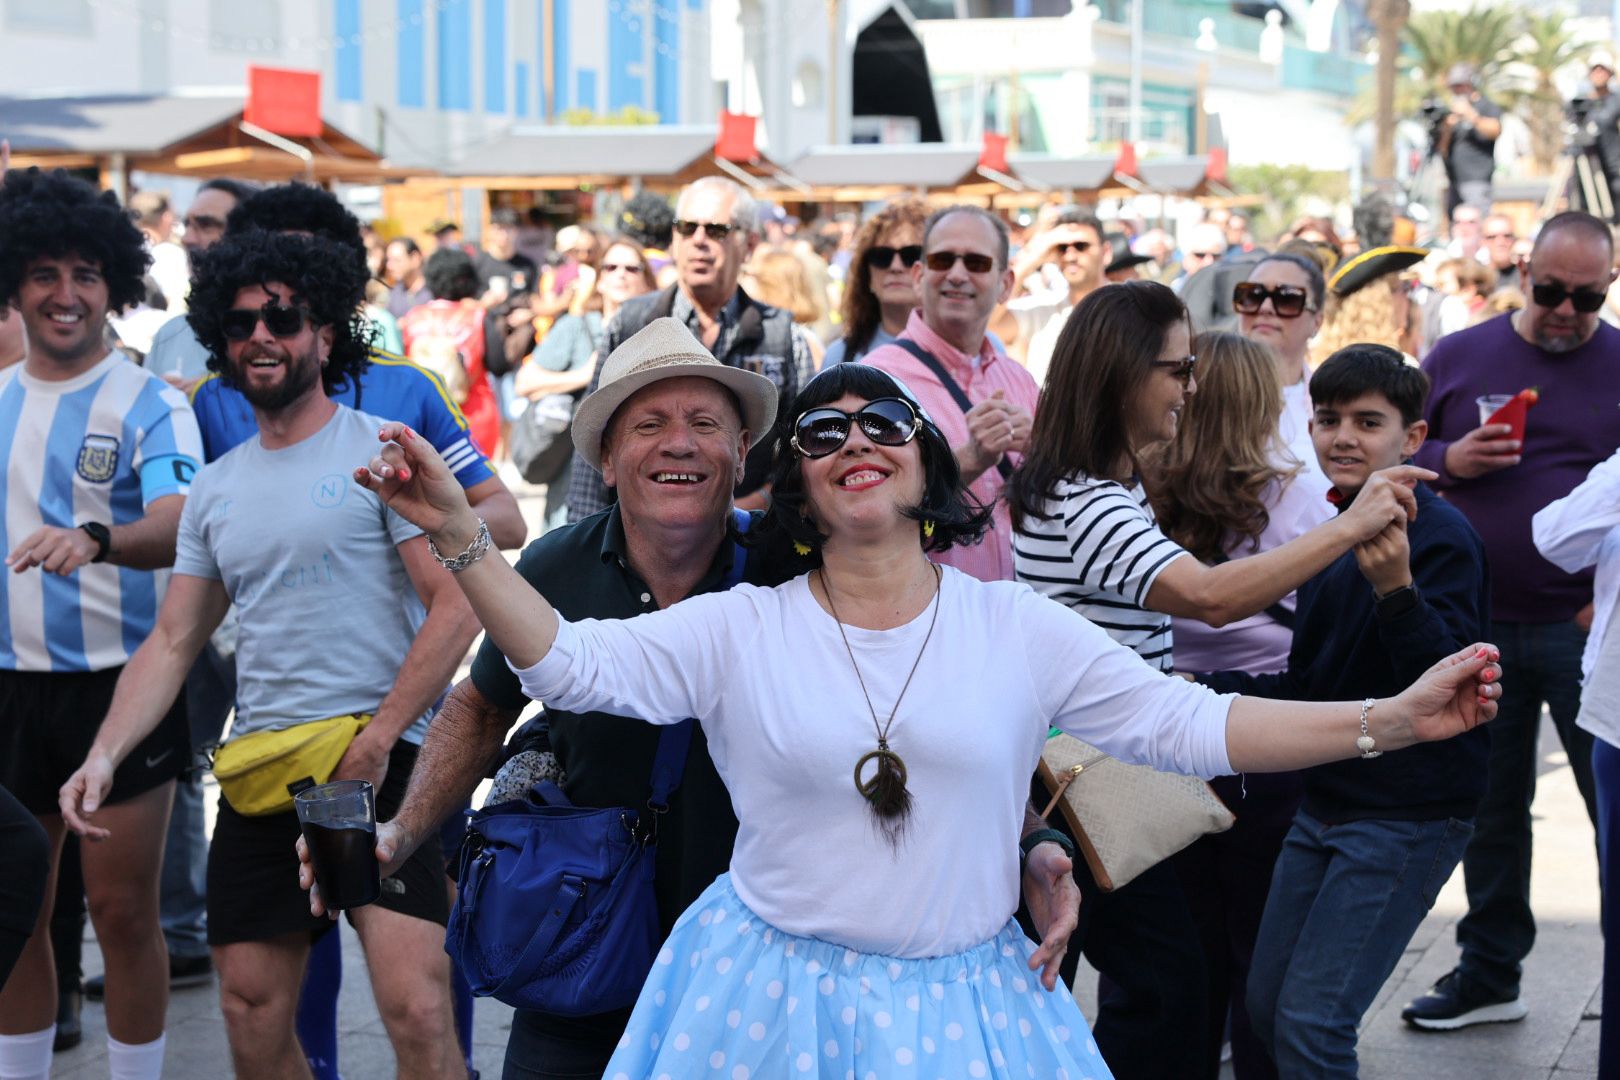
point(99, 457)
point(1539, 613)
point(1073, 252)
point(343, 613)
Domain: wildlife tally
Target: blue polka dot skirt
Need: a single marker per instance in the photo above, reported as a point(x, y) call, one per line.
point(731, 996)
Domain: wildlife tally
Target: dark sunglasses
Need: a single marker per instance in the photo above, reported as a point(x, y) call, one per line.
point(886, 421)
point(942, 261)
point(629, 268)
point(881, 258)
point(1180, 370)
point(1288, 301)
point(282, 320)
point(1586, 301)
point(1081, 246)
point(714, 230)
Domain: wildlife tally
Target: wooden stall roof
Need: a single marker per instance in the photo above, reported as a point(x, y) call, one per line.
point(890, 167)
point(199, 135)
point(658, 156)
point(1091, 172)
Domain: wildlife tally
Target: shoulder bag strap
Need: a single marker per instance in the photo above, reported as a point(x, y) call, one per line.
point(676, 739)
point(957, 394)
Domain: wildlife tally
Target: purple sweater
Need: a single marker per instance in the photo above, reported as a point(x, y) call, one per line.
point(1574, 426)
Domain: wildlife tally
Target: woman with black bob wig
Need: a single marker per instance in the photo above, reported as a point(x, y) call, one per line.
point(321, 276)
point(876, 721)
point(947, 514)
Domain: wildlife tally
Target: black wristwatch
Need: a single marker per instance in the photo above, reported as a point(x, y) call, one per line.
point(1395, 604)
point(102, 536)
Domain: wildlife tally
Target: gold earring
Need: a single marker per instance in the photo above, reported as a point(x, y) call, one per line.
point(928, 530)
point(801, 548)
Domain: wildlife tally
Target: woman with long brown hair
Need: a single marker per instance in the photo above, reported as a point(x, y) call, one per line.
point(880, 293)
point(1085, 535)
point(1226, 487)
point(778, 277)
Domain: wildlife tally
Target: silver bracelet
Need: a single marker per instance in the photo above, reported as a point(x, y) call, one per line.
point(1365, 742)
point(476, 550)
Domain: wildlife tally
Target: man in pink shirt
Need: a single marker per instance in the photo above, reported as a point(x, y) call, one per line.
point(981, 400)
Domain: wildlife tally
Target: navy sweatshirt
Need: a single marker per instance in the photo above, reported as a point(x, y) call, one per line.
point(1343, 651)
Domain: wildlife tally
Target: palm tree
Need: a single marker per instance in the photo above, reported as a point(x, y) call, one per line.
point(1546, 46)
point(1390, 18)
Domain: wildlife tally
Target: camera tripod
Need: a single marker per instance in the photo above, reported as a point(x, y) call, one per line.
point(1581, 179)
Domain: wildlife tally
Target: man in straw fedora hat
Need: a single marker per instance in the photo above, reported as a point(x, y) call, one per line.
point(667, 429)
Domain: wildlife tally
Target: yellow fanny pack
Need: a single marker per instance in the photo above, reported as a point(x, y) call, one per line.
point(260, 773)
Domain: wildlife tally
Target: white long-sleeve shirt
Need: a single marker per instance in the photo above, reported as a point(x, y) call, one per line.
point(1583, 529)
point(767, 674)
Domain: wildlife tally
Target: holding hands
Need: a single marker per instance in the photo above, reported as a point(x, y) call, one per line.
point(1385, 497)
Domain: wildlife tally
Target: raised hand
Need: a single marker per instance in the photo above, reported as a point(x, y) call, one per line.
point(1455, 695)
point(409, 475)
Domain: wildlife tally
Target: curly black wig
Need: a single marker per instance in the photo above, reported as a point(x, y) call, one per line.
point(649, 220)
point(314, 268)
point(958, 518)
point(298, 208)
point(52, 214)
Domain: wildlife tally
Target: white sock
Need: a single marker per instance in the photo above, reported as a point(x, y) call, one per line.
point(142, 1061)
point(27, 1057)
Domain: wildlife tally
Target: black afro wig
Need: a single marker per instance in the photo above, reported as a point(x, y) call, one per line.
point(53, 214)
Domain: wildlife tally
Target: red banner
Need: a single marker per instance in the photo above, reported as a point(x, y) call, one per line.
point(284, 101)
point(736, 140)
point(993, 155)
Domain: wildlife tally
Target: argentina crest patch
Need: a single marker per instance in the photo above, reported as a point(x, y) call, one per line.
point(98, 458)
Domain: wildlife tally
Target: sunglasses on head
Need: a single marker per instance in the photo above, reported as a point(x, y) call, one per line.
point(1180, 370)
point(882, 257)
point(282, 320)
point(1553, 295)
point(714, 230)
point(1288, 301)
point(885, 421)
point(941, 261)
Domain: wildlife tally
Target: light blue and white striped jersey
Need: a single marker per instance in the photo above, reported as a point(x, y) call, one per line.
point(101, 446)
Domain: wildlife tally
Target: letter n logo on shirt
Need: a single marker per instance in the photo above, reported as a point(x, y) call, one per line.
point(98, 458)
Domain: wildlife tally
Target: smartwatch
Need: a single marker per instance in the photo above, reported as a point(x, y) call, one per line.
point(102, 536)
point(1395, 604)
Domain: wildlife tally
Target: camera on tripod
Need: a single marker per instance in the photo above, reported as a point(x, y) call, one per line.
point(1578, 126)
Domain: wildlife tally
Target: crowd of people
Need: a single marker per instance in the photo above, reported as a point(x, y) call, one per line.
point(906, 496)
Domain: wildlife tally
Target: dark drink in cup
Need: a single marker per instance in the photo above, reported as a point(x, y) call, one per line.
point(345, 862)
point(340, 829)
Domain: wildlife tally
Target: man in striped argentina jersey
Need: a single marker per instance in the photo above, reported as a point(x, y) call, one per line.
point(99, 455)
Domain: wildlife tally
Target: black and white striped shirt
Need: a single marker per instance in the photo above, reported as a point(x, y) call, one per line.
point(1099, 552)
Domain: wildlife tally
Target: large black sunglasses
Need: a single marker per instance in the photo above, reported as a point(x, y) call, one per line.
point(714, 230)
point(942, 261)
point(1288, 301)
point(282, 320)
point(1553, 295)
point(1181, 370)
point(886, 421)
point(882, 257)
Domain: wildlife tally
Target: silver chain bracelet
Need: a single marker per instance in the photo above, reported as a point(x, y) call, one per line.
point(1365, 742)
point(476, 550)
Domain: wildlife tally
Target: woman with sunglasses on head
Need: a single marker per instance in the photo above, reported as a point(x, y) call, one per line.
point(1085, 535)
point(866, 925)
point(565, 359)
point(1227, 487)
point(1279, 305)
point(880, 293)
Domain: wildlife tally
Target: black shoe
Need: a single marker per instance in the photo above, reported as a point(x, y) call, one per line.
point(184, 971)
point(1455, 1002)
point(69, 1028)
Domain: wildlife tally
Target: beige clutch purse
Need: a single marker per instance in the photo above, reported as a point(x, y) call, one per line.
point(1127, 818)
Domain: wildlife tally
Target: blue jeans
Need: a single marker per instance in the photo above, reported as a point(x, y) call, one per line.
point(1541, 662)
point(1606, 771)
point(1345, 900)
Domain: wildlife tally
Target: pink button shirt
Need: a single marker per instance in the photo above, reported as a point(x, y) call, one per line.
point(979, 377)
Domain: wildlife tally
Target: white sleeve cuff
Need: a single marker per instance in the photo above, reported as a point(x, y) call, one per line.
point(553, 673)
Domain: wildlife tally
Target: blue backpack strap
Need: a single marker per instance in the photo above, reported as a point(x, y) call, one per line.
point(675, 739)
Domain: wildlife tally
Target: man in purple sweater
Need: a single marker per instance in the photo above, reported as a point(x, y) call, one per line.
point(1539, 612)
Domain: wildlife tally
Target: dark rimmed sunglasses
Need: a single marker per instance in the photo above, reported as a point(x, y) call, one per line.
point(1586, 301)
point(282, 320)
point(881, 258)
point(1288, 301)
point(824, 430)
point(714, 230)
point(1181, 370)
point(941, 261)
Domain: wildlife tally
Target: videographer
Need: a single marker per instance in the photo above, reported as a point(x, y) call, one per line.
point(1465, 141)
point(1598, 121)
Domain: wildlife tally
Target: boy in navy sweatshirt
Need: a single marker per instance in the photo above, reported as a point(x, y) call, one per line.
point(1376, 837)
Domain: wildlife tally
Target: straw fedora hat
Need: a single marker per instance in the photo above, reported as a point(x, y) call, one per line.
point(665, 349)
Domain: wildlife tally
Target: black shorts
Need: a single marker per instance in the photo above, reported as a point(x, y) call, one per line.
point(48, 719)
point(253, 892)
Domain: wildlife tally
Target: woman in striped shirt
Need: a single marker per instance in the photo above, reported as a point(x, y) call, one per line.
point(1084, 534)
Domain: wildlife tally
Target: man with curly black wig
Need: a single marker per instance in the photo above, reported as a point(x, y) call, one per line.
point(99, 458)
point(313, 565)
point(385, 385)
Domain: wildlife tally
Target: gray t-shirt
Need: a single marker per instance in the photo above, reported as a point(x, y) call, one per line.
point(310, 559)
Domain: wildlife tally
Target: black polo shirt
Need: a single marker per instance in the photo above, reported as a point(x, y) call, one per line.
point(607, 760)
